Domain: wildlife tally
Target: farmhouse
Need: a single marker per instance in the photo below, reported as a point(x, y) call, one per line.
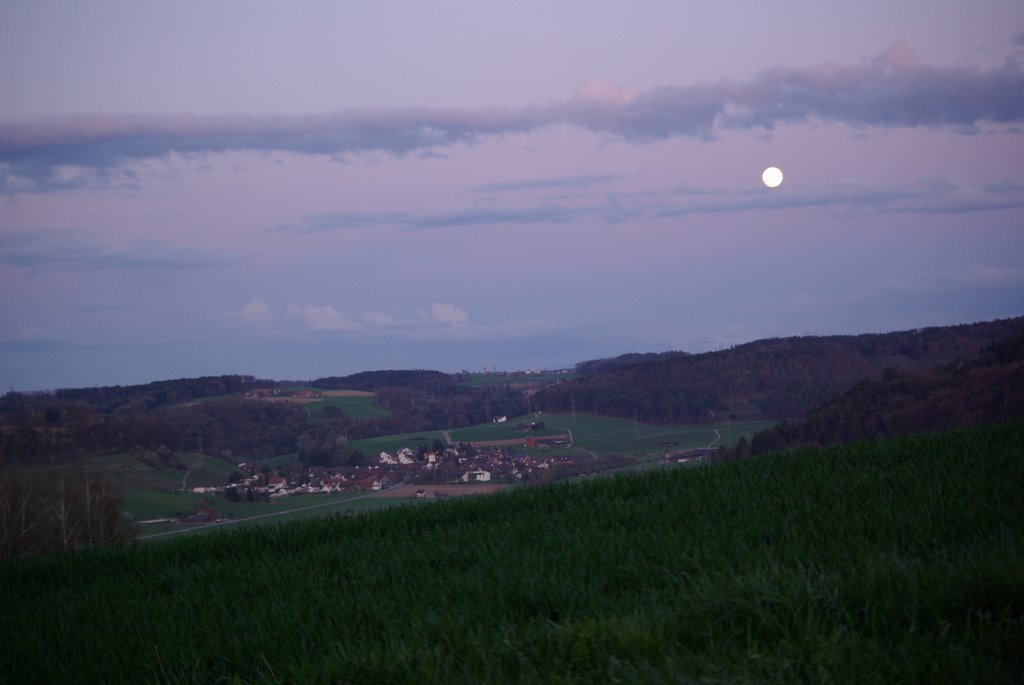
point(478, 476)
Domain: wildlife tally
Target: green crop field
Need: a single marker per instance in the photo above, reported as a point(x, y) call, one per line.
point(899, 561)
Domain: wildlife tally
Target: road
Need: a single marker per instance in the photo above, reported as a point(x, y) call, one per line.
point(247, 519)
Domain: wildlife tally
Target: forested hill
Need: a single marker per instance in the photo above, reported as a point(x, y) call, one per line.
point(987, 388)
point(371, 381)
point(777, 378)
point(135, 399)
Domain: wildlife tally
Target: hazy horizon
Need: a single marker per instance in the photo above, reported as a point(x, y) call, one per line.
point(312, 189)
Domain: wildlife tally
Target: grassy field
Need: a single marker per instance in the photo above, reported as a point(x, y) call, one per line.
point(897, 561)
point(604, 435)
point(393, 443)
point(278, 510)
point(130, 475)
point(356, 407)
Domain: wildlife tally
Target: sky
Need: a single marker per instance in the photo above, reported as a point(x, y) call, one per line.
point(304, 189)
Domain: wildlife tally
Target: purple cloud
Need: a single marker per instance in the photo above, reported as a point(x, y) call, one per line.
point(893, 90)
point(75, 250)
point(924, 196)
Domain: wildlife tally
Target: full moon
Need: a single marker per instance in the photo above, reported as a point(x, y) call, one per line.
point(772, 177)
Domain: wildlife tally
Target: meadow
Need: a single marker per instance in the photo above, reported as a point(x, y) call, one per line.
point(604, 435)
point(393, 443)
point(893, 561)
point(358, 407)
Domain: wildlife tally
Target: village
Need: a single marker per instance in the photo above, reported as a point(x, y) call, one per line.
point(462, 463)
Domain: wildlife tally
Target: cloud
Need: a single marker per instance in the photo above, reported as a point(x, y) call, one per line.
point(378, 319)
point(442, 312)
point(338, 221)
point(31, 345)
point(584, 182)
point(321, 318)
point(893, 90)
point(256, 314)
point(406, 221)
point(479, 217)
point(923, 196)
point(440, 321)
point(75, 250)
point(989, 276)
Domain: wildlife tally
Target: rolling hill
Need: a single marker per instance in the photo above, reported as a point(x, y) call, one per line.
point(768, 379)
point(892, 561)
point(985, 388)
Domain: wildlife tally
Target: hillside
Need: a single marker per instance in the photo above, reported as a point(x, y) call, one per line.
point(985, 388)
point(768, 379)
point(242, 420)
point(818, 566)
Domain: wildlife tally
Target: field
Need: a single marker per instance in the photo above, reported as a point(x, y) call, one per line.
point(277, 510)
point(131, 476)
point(452, 490)
point(897, 561)
point(602, 435)
point(356, 405)
point(156, 493)
point(518, 380)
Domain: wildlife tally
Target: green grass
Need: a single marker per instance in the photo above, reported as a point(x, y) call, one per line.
point(392, 443)
point(897, 561)
point(243, 514)
point(359, 408)
point(604, 435)
point(130, 475)
point(280, 460)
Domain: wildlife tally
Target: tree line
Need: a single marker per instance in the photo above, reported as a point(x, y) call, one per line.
point(985, 388)
point(768, 379)
point(64, 427)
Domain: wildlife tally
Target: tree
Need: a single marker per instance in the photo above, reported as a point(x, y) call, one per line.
point(39, 515)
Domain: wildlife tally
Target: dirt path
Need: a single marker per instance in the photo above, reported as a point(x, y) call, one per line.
point(195, 467)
